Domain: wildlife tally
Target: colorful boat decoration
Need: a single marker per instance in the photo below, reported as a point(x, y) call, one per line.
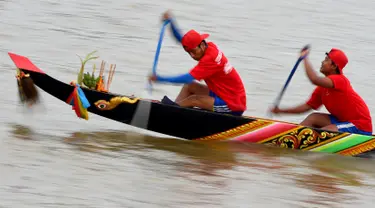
point(294, 136)
point(185, 123)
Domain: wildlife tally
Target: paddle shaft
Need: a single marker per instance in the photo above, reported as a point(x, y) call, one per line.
point(165, 23)
point(278, 99)
point(142, 112)
point(156, 59)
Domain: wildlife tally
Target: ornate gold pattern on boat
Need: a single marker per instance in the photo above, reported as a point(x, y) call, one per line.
point(251, 126)
point(114, 102)
point(356, 150)
point(301, 138)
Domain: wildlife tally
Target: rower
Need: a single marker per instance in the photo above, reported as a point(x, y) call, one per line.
point(224, 91)
point(348, 111)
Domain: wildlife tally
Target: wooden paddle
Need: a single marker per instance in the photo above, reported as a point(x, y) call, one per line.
point(278, 99)
point(142, 113)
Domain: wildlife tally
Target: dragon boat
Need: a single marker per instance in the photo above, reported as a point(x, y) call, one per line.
point(185, 123)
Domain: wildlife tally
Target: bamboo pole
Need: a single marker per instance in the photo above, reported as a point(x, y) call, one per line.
point(110, 75)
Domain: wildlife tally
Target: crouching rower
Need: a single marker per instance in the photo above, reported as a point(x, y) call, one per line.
point(224, 91)
point(348, 111)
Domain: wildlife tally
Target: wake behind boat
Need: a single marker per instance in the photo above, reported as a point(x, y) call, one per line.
point(185, 123)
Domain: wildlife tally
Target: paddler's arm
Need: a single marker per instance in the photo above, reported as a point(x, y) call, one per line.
point(313, 76)
point(175, 30)
point(180, 79)
point(295, 110)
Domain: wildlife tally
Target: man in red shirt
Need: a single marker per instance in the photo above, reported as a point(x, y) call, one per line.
point(348, 111)
point(224, 91)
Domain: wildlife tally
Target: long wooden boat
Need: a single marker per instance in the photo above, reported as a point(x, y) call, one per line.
point(195, 124)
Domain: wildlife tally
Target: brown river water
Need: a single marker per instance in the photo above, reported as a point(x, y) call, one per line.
point(50, 158)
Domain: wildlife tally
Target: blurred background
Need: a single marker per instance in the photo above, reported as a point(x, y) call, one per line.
point(50, 158)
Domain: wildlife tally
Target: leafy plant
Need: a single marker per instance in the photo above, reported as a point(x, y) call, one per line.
point(89, 80)
point(80, 77)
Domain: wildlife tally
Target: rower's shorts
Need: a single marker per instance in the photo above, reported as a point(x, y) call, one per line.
point(221, 107)
point(347, 126)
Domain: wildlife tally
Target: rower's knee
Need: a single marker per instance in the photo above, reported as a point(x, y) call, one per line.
point(200, 101)
point(313, 116)
point(316, 120)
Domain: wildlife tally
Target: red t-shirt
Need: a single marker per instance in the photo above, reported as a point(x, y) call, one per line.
point(221, 78)
point(343, 103)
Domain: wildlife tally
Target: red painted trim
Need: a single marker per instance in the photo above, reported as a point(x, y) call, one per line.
point(266, 132)
point(22, 62)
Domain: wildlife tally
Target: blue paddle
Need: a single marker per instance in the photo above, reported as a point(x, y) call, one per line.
point(165, 23)
point(142, 112)
point(278, 99)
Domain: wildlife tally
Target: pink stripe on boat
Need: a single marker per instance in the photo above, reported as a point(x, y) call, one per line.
point(266, 132)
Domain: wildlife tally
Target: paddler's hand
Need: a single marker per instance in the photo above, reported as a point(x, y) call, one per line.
point(152, 78)
point(166, 15)
point(275, 110)
point(304, 53)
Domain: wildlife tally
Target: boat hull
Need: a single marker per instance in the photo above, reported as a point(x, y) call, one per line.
point(199, 125)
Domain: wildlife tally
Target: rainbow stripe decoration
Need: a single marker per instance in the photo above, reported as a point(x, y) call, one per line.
point(293, 136)
point(79, 102)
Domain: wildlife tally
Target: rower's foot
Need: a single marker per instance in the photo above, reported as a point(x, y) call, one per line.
point(168, 101)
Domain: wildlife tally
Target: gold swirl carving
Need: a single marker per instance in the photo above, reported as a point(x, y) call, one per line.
point(114, 102)
point(302, 138)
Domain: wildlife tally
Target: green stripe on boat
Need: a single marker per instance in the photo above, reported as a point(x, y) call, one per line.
point(341, 144)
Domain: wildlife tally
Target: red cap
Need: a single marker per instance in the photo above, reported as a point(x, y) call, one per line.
point(192, 39)
point(338, 57)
